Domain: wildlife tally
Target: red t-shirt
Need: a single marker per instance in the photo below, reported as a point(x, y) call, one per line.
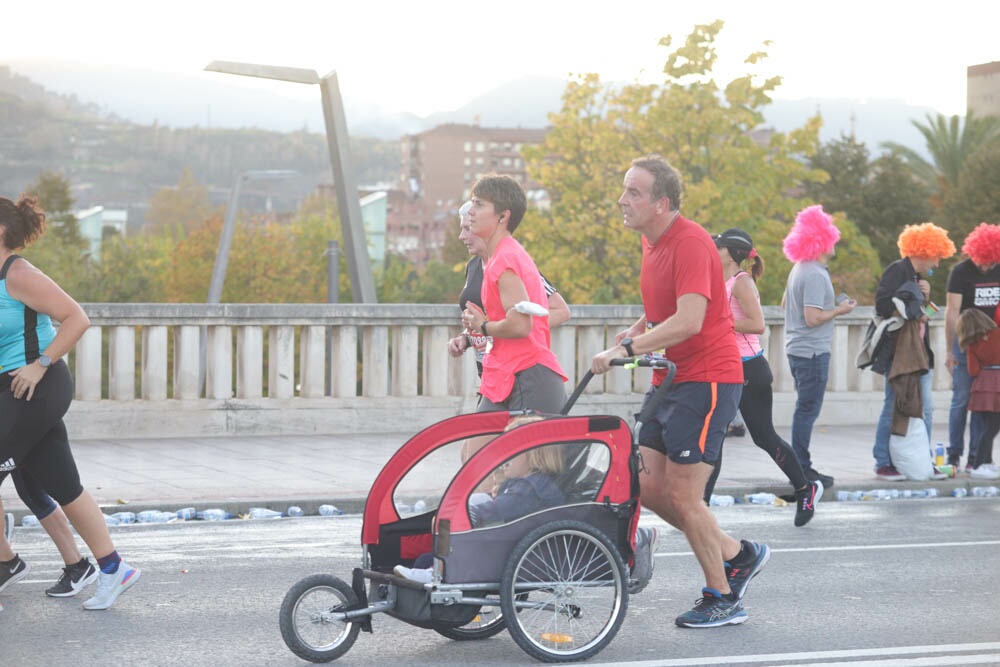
point(685, 261)
point(511, 355)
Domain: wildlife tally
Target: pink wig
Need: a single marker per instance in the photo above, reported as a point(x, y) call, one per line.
point(982, 245)
point(812, 235)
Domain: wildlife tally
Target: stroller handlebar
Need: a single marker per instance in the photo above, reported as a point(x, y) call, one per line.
point(629, 362)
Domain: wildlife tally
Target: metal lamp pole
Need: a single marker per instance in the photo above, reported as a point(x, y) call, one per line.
point(348, 204)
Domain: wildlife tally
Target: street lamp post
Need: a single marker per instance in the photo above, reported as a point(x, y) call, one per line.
point(348, 205)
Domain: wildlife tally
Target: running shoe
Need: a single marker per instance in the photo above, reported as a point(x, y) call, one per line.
point(110, 586)
point(889, 473)
point(712, 610)
point(74, 579)
point(13, 573)
point(8, 526)
point(418, 574)
point(739, 576)
point(985, 471)
point(805, 503)
point(647, 541)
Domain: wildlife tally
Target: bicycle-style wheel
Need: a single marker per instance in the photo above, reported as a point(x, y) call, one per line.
point(306, 619)
point(577, 588)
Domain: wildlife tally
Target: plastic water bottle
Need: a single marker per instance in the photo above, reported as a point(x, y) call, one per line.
point(294, 510)
point(214, 515)
point(985, 491)
point(124, 518)
point(959, 492)
point(761, 498)
point(721, 501)
point(30, 521)
point(187, 513)
point(264, 513)
point(110, 519)
point(329, 510)
point(920, 493)
point(420, 507)
point(939, 454)
point(849, 495)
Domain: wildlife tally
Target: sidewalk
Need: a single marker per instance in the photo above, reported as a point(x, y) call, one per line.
point(236, 473)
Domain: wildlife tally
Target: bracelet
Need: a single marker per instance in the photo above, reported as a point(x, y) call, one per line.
point(468, 339)
point(482, 328)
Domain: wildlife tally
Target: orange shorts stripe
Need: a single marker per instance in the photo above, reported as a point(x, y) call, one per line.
point(703, 436)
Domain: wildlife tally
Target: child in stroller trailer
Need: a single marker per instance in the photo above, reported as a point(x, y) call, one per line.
point(527, 483)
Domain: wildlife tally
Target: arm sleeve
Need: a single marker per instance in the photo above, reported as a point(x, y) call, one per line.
point(814, 291)
point(887, 286)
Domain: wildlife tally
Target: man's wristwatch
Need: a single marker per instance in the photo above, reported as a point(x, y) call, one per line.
point(45, 361)
point(482, 328)
point(627, 344)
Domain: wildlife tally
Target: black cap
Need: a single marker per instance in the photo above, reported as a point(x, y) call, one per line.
point(734, 238)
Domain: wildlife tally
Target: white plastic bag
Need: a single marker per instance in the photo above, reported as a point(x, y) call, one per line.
point(911, 453)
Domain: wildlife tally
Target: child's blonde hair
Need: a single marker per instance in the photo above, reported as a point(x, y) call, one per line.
point(548, 458)
point(973, 324)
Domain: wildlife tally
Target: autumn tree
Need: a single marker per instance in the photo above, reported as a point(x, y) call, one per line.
point(736, 175)
point(180, 208)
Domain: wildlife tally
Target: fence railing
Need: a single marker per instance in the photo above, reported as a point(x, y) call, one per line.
point(230, 368)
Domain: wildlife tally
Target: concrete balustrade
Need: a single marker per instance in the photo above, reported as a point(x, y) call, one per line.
point(318, 368)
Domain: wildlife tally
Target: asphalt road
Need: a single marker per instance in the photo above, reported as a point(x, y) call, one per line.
point(905, 582)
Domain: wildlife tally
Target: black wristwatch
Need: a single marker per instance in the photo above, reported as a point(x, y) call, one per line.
point(45, 361)
point(627, 344)
point(482, 328)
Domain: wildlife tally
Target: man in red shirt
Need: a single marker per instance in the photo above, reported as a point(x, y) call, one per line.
point(686, 317)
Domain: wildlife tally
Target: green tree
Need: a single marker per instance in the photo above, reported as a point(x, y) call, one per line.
point(975, 199)
point(62, 252)
point(950, 143)
point(891, 199)
point(735, 174)
point(845, 160)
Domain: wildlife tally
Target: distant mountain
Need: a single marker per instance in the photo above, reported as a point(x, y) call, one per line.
point(207, 99)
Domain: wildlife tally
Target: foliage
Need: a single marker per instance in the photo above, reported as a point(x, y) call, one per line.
point(950, 143)
point(845, 160)
point(401, 282)
point(975, 198)
point(62, 253)
point(736, 175)
point(176, 209)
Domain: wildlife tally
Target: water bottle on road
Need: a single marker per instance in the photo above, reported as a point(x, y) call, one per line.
point(214, 514)
point(985, 491)
point(294, 510)
point(124, 518)
point(30, 521)
point(721, 501)
point(329, 510)
point(187, 513)
point(264, 513)
point(760, 498)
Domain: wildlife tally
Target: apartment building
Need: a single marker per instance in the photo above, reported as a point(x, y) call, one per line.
point(983, 92)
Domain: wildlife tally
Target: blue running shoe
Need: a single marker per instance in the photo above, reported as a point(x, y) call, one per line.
point(712, 610)
point(739, 576)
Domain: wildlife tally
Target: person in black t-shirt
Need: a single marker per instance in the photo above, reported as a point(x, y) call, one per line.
point(972, 283)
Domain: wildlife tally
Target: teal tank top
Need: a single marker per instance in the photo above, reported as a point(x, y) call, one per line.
point(24, 333)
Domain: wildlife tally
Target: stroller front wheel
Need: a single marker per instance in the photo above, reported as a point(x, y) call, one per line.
point(307, 618)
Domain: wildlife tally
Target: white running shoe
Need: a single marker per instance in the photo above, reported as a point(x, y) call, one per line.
point(420, 575)
point(985, 471)
point(110, 586)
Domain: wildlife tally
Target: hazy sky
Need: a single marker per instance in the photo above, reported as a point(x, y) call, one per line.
point(436, 55)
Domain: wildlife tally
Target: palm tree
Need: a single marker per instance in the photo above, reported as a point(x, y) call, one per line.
point(950, 144)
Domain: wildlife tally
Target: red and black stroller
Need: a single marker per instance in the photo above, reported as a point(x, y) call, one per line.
point(556, 578)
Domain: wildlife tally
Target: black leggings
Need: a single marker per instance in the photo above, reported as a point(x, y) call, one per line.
point(33, 435)
point(756, 405)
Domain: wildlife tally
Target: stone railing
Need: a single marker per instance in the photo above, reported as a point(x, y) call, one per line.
point(197, 369)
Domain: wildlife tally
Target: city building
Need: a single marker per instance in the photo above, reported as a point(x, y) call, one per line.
point(983, 94)
point(96, 222)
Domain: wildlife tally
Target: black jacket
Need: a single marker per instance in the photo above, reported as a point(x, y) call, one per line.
point(895, 276)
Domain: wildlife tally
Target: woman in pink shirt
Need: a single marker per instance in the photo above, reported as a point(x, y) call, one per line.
point(736, 248)
point(520, 372)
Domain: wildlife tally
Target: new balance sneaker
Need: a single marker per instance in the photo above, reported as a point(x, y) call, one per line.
point(889, 473)
point(712, 610)
point(814, 475)
point(805, 502)
point(647, 541)
point(13, 572)
point(985, 471)
point(8, 527)
point(422, 575)
point(110, 586)
point(739, 576)
point(74, 579)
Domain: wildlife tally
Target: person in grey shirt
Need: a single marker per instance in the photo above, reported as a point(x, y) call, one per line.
point(810, 308)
